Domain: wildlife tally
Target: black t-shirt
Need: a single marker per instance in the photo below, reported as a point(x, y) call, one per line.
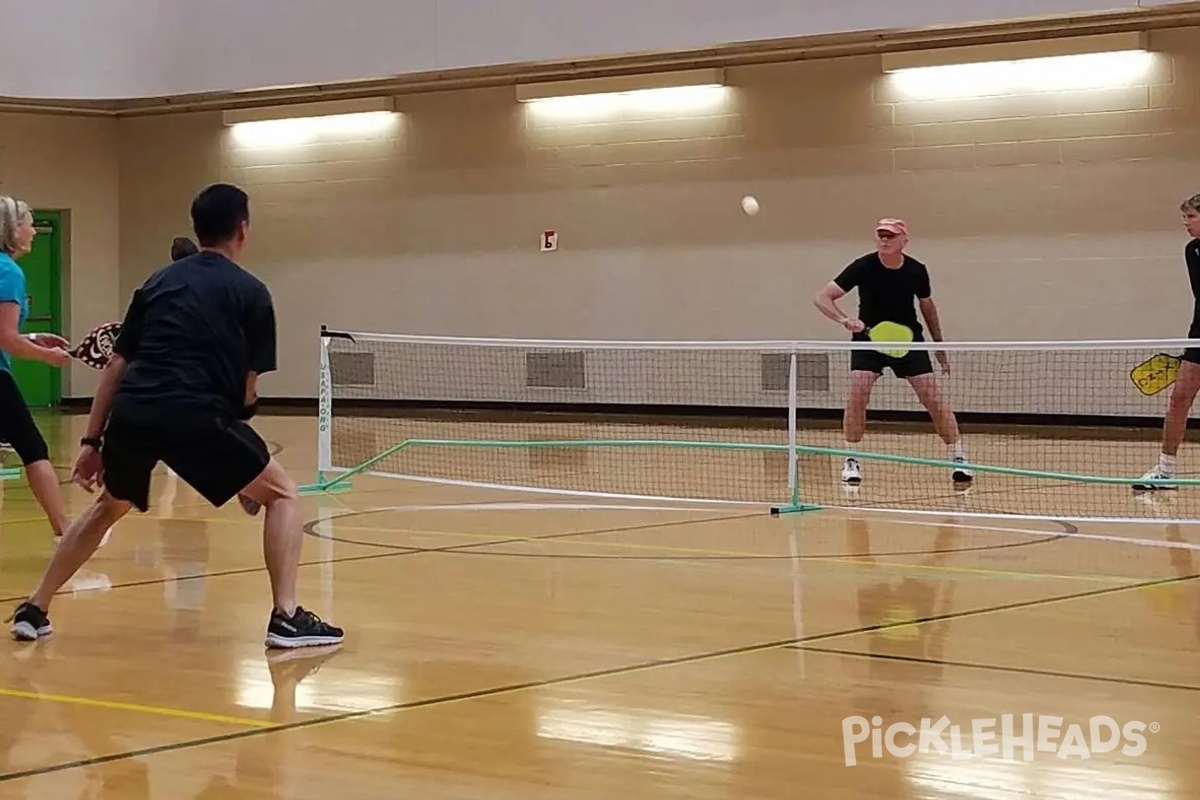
point(1191, 255)
point(191, 334)
point(886, 295)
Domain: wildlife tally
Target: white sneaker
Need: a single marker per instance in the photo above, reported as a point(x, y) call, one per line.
point(1155, 474)
point(961, 474)
point(850, 472)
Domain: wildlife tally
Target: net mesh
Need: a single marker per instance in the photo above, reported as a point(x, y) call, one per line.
point(1050, 429)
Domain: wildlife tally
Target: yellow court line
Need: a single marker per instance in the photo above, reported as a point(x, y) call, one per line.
point(138, 708)
point(21, 521)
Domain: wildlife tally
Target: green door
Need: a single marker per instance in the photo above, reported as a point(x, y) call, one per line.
point(40, 383)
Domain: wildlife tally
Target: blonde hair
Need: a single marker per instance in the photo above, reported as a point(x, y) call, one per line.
point(1191, 204)
point(12, 213)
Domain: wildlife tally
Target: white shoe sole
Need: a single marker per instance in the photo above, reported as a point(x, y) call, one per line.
point(292, 642)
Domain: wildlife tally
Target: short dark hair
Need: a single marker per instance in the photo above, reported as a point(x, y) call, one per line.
point(217, 213)
point(183, 247)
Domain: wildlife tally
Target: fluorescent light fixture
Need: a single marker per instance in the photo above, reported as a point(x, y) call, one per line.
point(1049, 65)
point(298, 124)
point(669, 93)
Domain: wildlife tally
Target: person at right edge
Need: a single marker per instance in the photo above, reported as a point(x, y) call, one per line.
point(1187, 383)
point(180, 387)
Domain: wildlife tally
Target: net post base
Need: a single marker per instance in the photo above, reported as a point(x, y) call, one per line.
point(323, 486)
point(793, 508)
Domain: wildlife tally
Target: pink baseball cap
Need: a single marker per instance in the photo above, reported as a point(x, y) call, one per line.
point(896, 226)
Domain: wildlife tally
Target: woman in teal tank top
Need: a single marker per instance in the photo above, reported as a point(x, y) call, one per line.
point(17, 427)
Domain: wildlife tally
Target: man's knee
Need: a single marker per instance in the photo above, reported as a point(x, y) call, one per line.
point(1187, 384)
point(104, 512)
point(272, 485)
point(926, 388)
point(861, 383)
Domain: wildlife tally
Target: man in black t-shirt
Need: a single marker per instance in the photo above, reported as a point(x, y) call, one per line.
point(1187, 382)
point(890, 285)
point(180, 387)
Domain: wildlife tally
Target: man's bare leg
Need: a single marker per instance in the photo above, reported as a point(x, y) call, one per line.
point(944, 421)
point(283, 533)
point(291, 625)
point(854, 421)
point(78, 544)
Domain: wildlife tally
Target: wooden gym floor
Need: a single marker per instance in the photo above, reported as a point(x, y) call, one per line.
point(523, 646)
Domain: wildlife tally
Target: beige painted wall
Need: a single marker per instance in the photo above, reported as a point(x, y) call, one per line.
point(70, 163)
point(1043, 216)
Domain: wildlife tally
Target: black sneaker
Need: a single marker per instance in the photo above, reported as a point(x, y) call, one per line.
point(30, 623)
point(303, 629)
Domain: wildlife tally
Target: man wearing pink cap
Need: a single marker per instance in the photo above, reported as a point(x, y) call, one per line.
point(888, 281)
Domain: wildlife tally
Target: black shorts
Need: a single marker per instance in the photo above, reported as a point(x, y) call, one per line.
point(216, 456)
point(912, 365)
point(1192, 354)
point(16, 423)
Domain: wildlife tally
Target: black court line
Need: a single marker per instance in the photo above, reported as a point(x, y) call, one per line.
point(699, 557)
point(1049, 673)
point(310, 528)
point(222, 574)
point(466, 549)
point(393, 551)
point(582, 676)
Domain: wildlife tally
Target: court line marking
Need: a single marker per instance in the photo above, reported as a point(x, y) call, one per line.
point(847, 560)
point(1003, 515)
point(500, 505)
point(228, 573)
point(393, 551)
point(310, 528)
point(462, 549)
point(566, 492)
point(138, 708)
point(21, 521)
point(710, 501)
point(1102, 537)
point(567, 679)
point(998, 668)
point(1111, 538)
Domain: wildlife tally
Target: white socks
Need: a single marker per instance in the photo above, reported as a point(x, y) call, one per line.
point(957, 451)
point(1166, 464)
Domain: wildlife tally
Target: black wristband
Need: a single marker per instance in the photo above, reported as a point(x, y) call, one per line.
point(249, 411)
point(94, 442)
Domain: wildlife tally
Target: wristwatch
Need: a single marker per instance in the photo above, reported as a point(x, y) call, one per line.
point(93, 442)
